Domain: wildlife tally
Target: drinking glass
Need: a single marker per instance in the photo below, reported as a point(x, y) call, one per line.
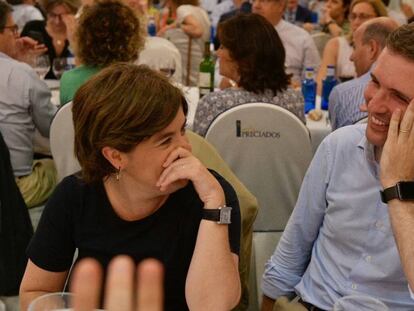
point(59, 66)
point(167, 67)
point(360, 303)
point(41, 64)
point(52, 302)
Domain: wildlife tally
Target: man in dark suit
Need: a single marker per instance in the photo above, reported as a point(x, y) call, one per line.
point(297, 14)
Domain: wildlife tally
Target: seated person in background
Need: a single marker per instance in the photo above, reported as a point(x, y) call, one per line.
point(252, 55)
point(300, 49)
point(142, 193)
point(341, 239)
point(346, 98)
point(53, 32)
point(98, 45)
point(334, 19)
point(338, 50)
point(24, 11)
point(297, 14)
point(24, 105)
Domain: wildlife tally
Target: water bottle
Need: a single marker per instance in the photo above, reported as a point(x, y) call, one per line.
point(309, 89)
point(152, 29)
point(327, 85)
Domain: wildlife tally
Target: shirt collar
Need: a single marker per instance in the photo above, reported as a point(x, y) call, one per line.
point(369, 152)
point(2, 55)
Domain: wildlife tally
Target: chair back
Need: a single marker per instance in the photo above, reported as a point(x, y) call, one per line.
point(62, 137)
point(158, 50)
point(191, 54)
point(269, 149)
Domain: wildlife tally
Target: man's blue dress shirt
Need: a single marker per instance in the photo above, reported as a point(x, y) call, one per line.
point(339, 240)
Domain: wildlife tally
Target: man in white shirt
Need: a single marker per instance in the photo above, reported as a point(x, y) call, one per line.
point(300, 49)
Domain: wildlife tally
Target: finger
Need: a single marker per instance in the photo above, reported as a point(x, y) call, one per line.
point(86, 285)
point(180, 169)
point(176, 154)
point(119, 289)
point(394, 125)
point(150, 286)
point(407, 120)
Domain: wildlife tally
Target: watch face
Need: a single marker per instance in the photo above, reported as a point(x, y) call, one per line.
point(225, 215)
point(406, 190)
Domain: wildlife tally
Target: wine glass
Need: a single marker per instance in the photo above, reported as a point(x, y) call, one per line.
point(167, 67)
point(59, 66)
point(41, 64)
point(52, 302)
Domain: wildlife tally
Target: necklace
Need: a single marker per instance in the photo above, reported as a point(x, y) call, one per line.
point(59, 42)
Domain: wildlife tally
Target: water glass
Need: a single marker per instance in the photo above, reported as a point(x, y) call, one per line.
point(59, 66)
point(360, 303)
point(52, 302)
point(41, 64)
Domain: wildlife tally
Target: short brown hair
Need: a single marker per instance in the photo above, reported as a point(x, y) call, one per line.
point(72, 5)
point(120, 107)
point(5, 10)
point(108, 32)
point(401, 41)
point(377, 5)
point(183, 2)
point(256, 47)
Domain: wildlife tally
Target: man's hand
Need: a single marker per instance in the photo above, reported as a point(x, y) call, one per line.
point(27, 49)
point(397, 158)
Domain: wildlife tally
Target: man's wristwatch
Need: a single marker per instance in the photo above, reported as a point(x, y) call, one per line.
point(403, 191)
point(221, 215)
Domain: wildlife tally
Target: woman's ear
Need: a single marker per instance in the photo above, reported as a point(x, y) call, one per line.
point(114, 157)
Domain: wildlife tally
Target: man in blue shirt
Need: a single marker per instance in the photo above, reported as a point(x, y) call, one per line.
point(346, 98)
point(340, 240)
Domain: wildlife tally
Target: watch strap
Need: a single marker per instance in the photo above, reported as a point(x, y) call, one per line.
point(389, 194)
point(402, 190)
point(221, 215)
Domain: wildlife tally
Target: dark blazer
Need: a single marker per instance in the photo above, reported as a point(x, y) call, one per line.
point(15, 228)
point(303, 15)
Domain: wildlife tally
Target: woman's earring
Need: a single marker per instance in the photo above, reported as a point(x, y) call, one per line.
point(118, 173)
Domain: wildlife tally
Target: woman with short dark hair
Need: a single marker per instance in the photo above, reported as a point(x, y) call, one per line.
point(252, 55)
point(107, 32)
point(142, 193)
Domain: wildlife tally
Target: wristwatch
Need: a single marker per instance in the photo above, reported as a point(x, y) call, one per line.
point(221, 215)
point(403, 191)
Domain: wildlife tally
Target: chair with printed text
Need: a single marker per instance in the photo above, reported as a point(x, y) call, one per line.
point(269, 149)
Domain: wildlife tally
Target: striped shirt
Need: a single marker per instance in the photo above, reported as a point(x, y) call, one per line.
point(345, 100)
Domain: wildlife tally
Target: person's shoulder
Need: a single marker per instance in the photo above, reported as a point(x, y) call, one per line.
point(346, 136)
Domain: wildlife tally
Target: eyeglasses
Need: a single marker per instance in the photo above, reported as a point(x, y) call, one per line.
point(362, 16)
point(14, 28)
point(54, 16)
